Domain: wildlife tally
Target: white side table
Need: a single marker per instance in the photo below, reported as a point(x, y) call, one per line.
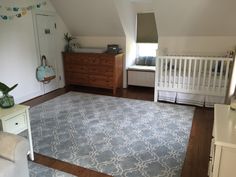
point(223, 147)
point(15, 120)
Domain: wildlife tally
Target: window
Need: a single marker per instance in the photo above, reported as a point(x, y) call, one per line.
point(147, 37)
point(146, 49)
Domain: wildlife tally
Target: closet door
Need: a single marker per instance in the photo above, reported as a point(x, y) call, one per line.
point(47, 45)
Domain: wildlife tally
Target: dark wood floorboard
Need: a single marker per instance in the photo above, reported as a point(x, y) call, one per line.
point(198, 150)
point(197, 156)
point(67, 167)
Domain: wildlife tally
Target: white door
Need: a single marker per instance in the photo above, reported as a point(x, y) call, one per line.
point(47, 46)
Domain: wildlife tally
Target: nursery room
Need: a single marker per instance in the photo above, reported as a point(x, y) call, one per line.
point(123, 88)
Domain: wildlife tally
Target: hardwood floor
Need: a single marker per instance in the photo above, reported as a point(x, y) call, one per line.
point(197, 156)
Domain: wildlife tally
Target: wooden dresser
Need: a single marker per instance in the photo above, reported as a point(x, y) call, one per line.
point(223, 147)
point(94, 70)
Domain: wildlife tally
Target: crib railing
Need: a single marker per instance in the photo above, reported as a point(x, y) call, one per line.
point(197, 75)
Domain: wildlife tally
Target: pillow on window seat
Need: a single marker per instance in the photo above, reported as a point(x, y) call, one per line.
point(140, 61)
point(151, 61)
point(146, 61)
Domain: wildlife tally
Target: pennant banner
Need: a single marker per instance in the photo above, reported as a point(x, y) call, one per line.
point(20, 11)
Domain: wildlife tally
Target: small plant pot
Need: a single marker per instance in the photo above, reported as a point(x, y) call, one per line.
point(7, 101)
point(68, 47)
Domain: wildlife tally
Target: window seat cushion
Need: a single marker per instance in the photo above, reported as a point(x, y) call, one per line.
point(142, 68)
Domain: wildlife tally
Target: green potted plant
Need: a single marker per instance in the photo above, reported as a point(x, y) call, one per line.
point(6, 101)
point(68, 38)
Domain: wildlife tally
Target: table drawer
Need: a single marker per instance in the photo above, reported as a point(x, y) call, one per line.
point(16, 124)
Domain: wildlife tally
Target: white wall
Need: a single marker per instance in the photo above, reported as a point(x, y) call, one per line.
point(18, 53)
point(60, 46)
point(128, 20)
point(196, 45)
point(100, 41)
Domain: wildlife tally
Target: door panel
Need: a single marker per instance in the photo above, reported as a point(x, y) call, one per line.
point(47, 45)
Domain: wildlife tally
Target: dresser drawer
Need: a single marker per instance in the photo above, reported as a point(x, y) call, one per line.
point(78, 78)
point(107, 61)
point(92, 60)
point(74, 60)
point(101, 81)
point(101, 70)
point(15, 124)
point(76, 68)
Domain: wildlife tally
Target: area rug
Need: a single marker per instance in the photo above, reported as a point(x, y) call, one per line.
point(116, 136)
point(37, 170)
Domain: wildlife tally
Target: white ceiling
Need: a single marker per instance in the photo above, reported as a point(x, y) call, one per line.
point(173, 17)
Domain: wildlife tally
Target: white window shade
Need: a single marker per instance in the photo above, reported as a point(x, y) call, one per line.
point(146, 28)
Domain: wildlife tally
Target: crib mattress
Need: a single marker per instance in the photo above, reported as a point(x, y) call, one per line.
point(184, 80)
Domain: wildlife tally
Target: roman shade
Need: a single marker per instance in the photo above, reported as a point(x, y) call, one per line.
point(146, 28)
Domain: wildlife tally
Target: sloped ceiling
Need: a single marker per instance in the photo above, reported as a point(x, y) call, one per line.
point(192, 17)
point(173, 17)
point(90, 17)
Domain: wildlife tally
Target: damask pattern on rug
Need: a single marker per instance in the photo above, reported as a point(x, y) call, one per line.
point(116, 136)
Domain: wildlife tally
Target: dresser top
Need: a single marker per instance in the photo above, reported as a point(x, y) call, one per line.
point(14, 110)
point(224, 126)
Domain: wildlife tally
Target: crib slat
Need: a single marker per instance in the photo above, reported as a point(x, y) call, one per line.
point(170, 70)
point(161, 72)
point(226, 75)
point(189, 73)
point(215, 74)
point(180, 69)
point(194, 73)
point(157, 74)
point(166, 63)
point(184, 75)
point(175, 73)
point(221, 73)
point(199, 74)
point(209, 78)
point(204, 74)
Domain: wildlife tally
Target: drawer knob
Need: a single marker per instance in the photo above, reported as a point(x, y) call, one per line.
point(16, 123)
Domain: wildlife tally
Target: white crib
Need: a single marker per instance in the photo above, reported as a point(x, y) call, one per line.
point(192, 80)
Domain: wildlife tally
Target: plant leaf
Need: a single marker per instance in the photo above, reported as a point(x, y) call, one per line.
point(10, 89)
point(3, 87)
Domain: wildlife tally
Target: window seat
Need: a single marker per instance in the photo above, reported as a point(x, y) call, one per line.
point(142, 68)
point(139, 75)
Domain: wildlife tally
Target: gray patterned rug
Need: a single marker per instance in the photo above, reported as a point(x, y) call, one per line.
point(117, 136)
point(37, 170)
